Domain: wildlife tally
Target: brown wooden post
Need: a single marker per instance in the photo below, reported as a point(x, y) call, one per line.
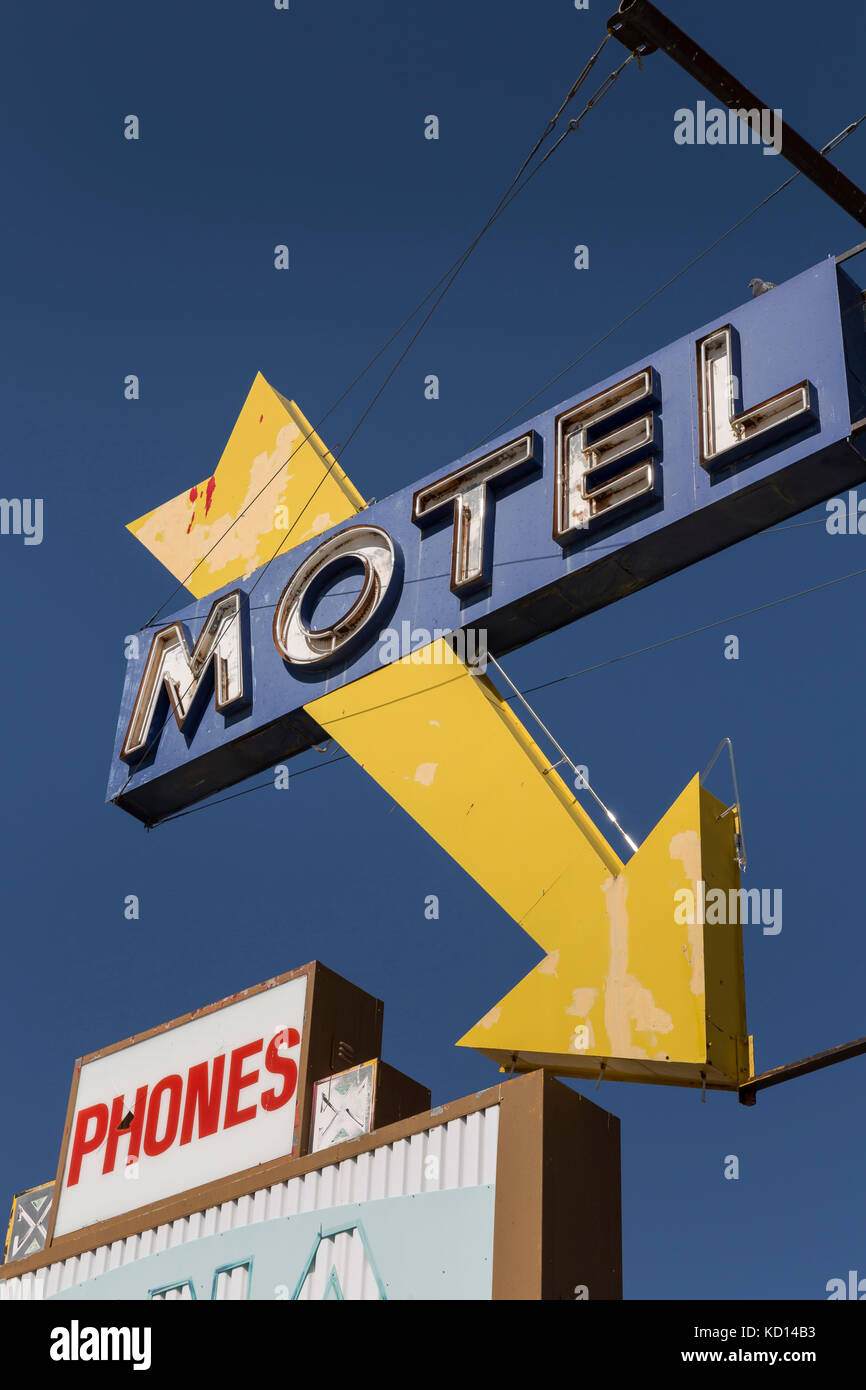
point(558, 1211)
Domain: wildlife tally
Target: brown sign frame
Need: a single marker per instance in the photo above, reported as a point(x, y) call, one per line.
point(338, 1017)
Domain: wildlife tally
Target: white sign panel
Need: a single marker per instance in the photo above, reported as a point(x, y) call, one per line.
point(187, 1106)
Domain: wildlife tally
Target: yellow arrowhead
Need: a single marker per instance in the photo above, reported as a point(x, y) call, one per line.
point(636, 979)
point(623, 982)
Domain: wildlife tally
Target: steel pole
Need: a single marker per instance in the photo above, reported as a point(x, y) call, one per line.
point(641, 27)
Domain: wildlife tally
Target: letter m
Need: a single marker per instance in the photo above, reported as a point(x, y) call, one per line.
point(750, 118)
point(171, 670)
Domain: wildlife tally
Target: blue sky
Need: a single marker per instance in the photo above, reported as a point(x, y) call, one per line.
point(155, 257)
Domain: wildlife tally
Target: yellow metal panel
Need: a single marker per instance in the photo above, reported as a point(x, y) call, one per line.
point(268, 432)
point(628, 977)
point(450, 751)
point(659, 994)
point(727, 1038)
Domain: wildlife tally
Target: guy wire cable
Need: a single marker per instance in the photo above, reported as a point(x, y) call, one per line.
point(544, 685)
point(453, 270)
point(831, 145)
point(453, 273)
point(503, 203)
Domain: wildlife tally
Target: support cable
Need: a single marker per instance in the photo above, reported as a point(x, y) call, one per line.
point(837, 139)
point(580, 776)
point(449, 279)
point(449, 276)
point(545, 685)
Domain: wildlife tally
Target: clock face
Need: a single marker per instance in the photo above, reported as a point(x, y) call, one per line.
point(343, 1107)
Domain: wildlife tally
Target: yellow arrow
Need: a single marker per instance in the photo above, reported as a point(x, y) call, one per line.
point(623, 982)
point(630, 982)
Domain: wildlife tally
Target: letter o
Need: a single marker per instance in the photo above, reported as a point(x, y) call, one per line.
point(305, 646)
point(174, 1086)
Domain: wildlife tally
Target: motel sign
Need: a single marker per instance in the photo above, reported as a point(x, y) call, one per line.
point(752, 418)
point(727, 431)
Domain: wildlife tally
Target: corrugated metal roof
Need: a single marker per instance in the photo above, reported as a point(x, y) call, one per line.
point(461, 1153)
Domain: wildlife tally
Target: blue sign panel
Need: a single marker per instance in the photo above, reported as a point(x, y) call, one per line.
point(431, 1245)
point(752, 418)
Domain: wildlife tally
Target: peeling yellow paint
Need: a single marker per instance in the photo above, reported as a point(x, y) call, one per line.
point(582, 1000)
point(253, 506)
point(686, 847)
point(490, 1018)
point(615, 962)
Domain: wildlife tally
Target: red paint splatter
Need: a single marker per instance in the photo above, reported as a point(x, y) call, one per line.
point(211, 484)
point(193, 494)
point(261, 418)
point(191, 521)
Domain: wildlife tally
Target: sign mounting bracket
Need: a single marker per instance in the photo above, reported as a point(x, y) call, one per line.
point(643, 29)
point(819, 1060)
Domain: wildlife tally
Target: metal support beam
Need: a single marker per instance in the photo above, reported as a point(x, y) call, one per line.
point(854, 251)
point(816, 1062)
point(643, 29)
